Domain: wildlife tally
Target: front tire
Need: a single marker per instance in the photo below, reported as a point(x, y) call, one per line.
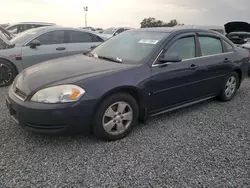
point(230, 87)
point(7, 73)
point(115, 117)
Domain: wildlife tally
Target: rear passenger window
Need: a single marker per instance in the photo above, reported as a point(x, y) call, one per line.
point(96, 38)
point(184, 47)
point(79, 37)
point(210, 46)
point(52, 37)
point(228, 47)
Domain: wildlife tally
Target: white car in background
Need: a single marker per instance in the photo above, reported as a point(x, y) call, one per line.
point(17, 28)
point(113, 31)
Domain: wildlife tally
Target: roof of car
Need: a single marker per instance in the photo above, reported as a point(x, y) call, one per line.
point(33, 23)
point(172, 29)
point(56, 27)
point(52, 28)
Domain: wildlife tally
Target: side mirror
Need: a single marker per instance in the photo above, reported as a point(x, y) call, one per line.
point(170, 58)
point(35, 43)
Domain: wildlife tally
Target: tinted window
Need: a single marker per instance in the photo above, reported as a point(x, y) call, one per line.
point(32, 26)
point(21, 28)
point(96, 38)
point(210, 46)
point(184, 47)
point(119, 31)
point(12, 27)
point(52, 37)
point(79, 37)
point(26, 35)
point(228, 46)
point(110, 31)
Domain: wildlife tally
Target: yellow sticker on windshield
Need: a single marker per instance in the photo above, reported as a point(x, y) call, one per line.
point(148, 41)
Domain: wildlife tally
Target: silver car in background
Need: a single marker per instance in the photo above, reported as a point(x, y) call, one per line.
point(42, 44)
point(113, 31)
point(16, 28)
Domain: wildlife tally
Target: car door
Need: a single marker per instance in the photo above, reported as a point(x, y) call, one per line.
point(174, 84)
point(217, 56)
point(81, 42)
point(52, 46)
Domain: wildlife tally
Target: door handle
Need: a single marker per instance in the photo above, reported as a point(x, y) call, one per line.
point(193, 66)
point(60, 48)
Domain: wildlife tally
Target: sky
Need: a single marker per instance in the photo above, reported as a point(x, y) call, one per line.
point(108, 13)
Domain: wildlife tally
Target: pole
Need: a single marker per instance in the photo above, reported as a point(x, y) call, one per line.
point(85, 18)
point(85, 10)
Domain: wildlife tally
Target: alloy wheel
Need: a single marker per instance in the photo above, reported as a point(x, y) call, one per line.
point(230, 87)
point(117, 118)
point(5, 75)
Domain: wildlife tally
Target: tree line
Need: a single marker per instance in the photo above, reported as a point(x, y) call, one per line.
point(152, 22)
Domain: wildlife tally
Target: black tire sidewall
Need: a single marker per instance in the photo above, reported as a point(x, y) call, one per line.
point(13, 71)
point(223, 96)
point(98, 128)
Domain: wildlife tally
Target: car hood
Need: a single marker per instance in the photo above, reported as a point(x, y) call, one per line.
point(67, 70)
point(237, 26)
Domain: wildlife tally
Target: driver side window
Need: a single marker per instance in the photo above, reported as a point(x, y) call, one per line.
point(184, 47)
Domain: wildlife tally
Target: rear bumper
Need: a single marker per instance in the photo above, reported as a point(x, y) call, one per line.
point(51, 118)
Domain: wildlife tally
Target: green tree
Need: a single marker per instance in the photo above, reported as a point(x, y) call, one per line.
point(152, 22)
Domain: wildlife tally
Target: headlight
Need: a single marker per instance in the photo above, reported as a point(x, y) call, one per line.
point(58, 94)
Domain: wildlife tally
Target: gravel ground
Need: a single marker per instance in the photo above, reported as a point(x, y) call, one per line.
point(206, 145)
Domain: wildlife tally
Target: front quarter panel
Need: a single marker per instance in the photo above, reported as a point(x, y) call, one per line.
point(136, 78)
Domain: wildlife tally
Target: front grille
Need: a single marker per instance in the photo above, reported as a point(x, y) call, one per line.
point(19, 93)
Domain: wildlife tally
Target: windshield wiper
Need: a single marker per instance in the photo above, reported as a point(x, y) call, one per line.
point(117, 60)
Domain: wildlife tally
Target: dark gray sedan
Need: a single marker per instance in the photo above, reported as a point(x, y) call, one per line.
point(42, 44)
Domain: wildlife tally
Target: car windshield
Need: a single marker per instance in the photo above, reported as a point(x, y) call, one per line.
point(26, 35)
point(110, 31)
point(129, 47)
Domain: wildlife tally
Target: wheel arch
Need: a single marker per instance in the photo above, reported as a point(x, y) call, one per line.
point(12, 64)
point(134, 92)
point(239, 72)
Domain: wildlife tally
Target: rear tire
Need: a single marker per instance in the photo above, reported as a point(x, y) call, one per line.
point(230, 87)
point(7, 73)
point(115, 117)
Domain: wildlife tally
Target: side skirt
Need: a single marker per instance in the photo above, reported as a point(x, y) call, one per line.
point(181, 106)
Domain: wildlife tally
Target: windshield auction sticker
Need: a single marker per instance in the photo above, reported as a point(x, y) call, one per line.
point(148, 41)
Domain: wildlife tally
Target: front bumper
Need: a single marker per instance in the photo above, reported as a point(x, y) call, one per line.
point(51, 118)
